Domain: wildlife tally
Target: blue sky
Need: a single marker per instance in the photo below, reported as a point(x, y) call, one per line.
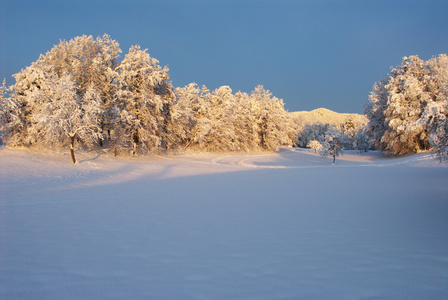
point(310, 53)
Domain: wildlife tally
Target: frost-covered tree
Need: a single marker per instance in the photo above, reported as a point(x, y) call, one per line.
point(223, 121)
point(58, 115)
point(349, 136)
point(332, 146)
point(145, 98)
point(2, 90)
point(272, 119)
point(47, 110)
point(15, 111)
point(437, 117)
point(439, 139)
point(315, 131)
point(314, 144)
point(374, 111)
point(91, 64)
point(349, 130)
point(396, 111)
point(245, 120)
point(361, 141)
point(186, 113)
point(4, 115)
point(191, 115)
point(215, 131)
point(408, 95)
point(131, 105)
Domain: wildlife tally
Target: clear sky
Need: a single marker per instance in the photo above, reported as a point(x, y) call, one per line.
point(310, 53)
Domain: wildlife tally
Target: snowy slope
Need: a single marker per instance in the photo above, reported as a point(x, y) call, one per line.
point(215, 226)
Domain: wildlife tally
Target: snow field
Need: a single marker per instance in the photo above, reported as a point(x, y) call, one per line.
point(213, 226)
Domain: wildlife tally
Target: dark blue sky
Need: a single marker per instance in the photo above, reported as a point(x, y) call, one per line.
point(310, 53)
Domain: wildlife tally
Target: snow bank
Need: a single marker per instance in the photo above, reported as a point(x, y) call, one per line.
point(208, 226)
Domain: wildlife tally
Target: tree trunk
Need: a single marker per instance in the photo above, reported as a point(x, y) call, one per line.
point(72, 147)
point(334, 159)
point(135, 144)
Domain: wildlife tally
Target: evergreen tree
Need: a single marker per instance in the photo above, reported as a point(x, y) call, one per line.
point(374, 111)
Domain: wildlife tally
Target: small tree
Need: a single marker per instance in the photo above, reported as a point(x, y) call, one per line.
point(315, 131)
point(361, 141)
point(332, 145)
point(314, 144)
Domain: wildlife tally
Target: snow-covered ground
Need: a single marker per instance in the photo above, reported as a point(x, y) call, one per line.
point(214, 226)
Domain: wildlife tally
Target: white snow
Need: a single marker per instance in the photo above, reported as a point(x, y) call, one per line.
point(223, 226)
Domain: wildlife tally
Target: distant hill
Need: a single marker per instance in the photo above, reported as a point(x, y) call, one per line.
point(323, 115)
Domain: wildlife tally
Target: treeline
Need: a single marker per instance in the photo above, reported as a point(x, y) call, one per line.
point(315, 125)
point(80, 94)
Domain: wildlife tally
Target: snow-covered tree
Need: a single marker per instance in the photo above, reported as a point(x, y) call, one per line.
point(315, 131)
point(361, 141)
point(349, 130)
point(15, 111)
point(2, 90)
point(374, 111)
point(245, 121)
point(2, 97)
point(397, 119)
point(215, 131)
point(4, 114)
point(272, 119)
point(131, 105)
point(314, 144)
point(439, 139)
point(145, 99)
point(186, 112)
point(47, 110)
point(408, 95)
point(437, 116)
point(223, 121)
point(332, 146)
point(59, 115)
point(191, 116)
point(91, 63)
